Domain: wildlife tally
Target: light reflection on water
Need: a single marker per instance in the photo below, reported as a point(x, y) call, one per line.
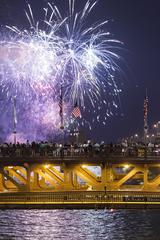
point(80, 224)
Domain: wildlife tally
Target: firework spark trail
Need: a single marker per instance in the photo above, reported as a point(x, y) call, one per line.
point(35, 61)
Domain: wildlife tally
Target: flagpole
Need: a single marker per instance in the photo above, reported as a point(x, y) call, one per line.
point(145, 122)
point(61, 111)
point(77, 135)
point(146, 116)
point(61, 107)
point(14, 121)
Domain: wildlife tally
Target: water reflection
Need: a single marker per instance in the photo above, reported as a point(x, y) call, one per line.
point(79, 224)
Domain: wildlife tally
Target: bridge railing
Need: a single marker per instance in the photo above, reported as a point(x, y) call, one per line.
point(68, 151)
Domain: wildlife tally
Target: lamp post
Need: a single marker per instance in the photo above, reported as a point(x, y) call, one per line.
point(136, 137)
point(155, 126)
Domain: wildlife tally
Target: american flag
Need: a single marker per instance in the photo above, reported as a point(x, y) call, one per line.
point(76, 111)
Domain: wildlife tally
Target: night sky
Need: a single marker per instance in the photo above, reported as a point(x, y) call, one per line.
point(137, 24)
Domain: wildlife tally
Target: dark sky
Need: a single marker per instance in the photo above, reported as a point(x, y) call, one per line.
point(137, 24)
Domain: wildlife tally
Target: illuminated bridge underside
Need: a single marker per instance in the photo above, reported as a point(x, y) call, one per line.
point(67, 175)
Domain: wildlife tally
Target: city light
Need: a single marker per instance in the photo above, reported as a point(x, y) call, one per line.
point(126, 166)
point(46, 166)
point(84, 166)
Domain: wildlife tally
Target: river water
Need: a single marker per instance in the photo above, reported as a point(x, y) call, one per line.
point(80, 224)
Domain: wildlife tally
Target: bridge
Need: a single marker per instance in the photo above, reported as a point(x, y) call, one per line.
point(80, 180)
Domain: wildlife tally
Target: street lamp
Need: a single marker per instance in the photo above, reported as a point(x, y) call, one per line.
point(155, 126)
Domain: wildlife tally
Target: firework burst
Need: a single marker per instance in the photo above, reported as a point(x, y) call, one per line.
point(35, 62)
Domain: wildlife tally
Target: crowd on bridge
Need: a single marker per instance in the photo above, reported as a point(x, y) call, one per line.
point(75, 149)
point(52, 149)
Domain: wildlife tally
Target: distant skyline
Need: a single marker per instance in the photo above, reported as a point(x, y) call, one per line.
point(136, 23)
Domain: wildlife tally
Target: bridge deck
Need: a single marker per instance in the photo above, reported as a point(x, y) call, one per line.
point(74, 199)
